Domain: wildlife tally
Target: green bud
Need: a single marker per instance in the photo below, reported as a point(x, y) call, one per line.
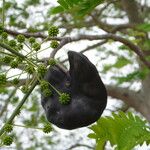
point(12, 43)
point(31, 40)
point(7, 140)
point(54, 44)
point(64, 98)
point(20, 38)
point(8, 128)
point(52, 62)
point(53, 31)
point(36, 46)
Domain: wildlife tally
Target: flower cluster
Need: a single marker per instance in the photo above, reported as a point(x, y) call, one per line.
point(53, 31)
point(64, 98)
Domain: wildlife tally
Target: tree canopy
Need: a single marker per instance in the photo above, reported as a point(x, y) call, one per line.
point(37, 34)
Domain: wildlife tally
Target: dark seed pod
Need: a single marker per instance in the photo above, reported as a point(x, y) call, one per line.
point(87, 93)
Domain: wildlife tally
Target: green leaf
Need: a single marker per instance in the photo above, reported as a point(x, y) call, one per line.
point(136, 75)
point(107, 68)
point(100, 145)
point(78, 8)
point(56, 10)
point(144, 27)
point(92, 136)
point(63, 3)
point(146, 44)
point(70, 3)
point(76, 1)
point(121, 62)
point(124, 131)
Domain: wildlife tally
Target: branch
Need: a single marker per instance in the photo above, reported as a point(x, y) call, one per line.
point(28, 35)
point(11, 50)
point(104, 26)
point(131, 98)
point(114, 37)
point(63, 42)
point(80, 145)
point(89, 48)
point(132, 10)
point(116, 28)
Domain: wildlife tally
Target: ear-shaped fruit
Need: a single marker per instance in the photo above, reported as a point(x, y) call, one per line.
point(81, 68)
point(86, 89)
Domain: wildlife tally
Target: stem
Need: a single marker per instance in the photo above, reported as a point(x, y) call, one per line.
point(28, 54)
point(59, 93)
point(7, 70)
point(15, 52)
point(16, 75)
point(38, 51)
point(2, 52)
point(28, 46)
point(11, 50)
point(23, 126)
point(32, 63)
point(9, 121)
point(45, 40)
point(55, 89)
point(3, 13)
point(25, 51)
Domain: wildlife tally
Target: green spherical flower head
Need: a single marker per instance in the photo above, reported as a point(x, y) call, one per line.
point(44, 85)
point(52, 62)
point(30, 69)
point(7, 59)
point(31, 40)
point(36, 46)
point(12, 43)
point(14, 64)
point(3, 79)
point(47, 128)
point(4, 35)
point(53, 31)
point(47, 92)
point(20, 38)
point(24, 89)
point(7, 140)
point(8, 128)
point(42, 69)
point(15, 81)
point(54, 44)
point(64, 98)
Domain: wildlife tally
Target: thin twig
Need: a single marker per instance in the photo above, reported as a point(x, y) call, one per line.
point(79, 145)
point(7, 101)
point(11, 118)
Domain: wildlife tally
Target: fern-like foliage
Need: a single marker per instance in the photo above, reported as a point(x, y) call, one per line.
point(76, 7)
point(124, 131)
